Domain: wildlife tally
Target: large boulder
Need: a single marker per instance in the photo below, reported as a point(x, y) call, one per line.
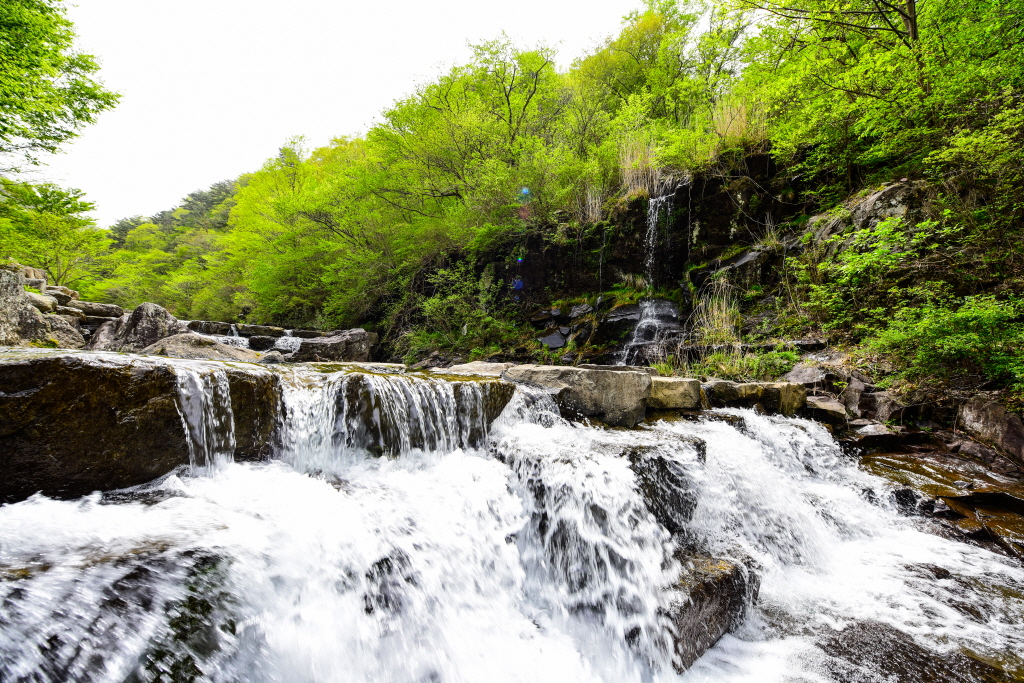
point(663, 484)
point(826, 409)
point(988, 420)
point(197, 347)
point(615, 397)
point(41, 302)
point(21, 323)
point(346, 345)
point(73, 423)
point(674, 393)
point(145, 326)
point(97, 309)
point(711, 598)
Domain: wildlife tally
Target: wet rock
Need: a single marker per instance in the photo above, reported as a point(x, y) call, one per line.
point(96, 309)
point(478, 368)
point(197, 347)
point(674, 393)
point(616, 398)
point(210, 327)
point(347, 345)
point(617, 323)
point(873, 651)
point(259, 342)
point(663, 484)
point(260, 330)
point(41, 302)
point(145, 326)
point(71, 424)
point(825, 409)
point(580, 309)
point(713, 598)
point(988, 420)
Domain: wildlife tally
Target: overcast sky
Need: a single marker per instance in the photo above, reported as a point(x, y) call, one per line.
point(212, 88)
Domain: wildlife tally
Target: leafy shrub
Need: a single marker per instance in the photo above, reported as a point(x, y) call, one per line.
point(949, 338)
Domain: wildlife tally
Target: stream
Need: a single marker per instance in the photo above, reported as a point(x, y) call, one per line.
point(517, 551)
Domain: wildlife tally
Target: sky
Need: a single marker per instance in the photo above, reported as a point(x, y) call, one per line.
point(212, 88)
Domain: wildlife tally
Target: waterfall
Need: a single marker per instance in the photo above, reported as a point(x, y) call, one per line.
point(657, 206)
point(521, 548)
point(288, 343)
point(204, 403)
point(658, 319)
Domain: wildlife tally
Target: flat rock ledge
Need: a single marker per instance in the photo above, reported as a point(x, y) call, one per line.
point(620, 395)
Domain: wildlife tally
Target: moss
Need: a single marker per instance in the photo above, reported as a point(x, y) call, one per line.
point(48, 343)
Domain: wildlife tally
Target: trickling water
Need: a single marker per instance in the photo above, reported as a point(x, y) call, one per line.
point(657, 207)
point(525, 554)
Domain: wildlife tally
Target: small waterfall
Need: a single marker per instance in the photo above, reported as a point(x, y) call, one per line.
point(335, 418)
point(658, 206)
point(658, 320)
point(204, 403)
point(288, 343)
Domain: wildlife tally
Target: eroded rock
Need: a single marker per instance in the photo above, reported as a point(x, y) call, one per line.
point(146, 325)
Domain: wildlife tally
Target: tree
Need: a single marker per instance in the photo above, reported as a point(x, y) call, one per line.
point(47, 92)
point(45, 225)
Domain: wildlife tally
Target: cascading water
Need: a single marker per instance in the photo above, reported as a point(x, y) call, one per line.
point(658, 206)
point(204, 403)
point(525, 553)
point(658, 320)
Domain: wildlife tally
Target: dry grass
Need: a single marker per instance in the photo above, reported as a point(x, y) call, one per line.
point(638, 162)
point(716, 317)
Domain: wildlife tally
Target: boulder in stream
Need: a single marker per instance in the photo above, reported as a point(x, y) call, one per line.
point(615, 397)
point(197, 347)
point(345, 345)
point(146, 325)
point(713, 597)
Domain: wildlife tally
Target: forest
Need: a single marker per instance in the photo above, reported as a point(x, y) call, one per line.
point(417, 230)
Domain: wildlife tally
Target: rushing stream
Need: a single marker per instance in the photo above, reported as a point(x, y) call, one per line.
point(519, 552)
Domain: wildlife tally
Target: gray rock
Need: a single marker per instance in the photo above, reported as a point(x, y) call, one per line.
point(97, 309)
point(476, 368)
point(307, 334)
point(210, 327)
point(880, 406)
point(617, 398)
point(662, 482)
point(70, 312)
point(674, 393)
point(347, 345)
point(36, 283)
point(988, 420)
point(145, 326)
point(41, 302)
point(70, 293)
point(724, 394)
point(197, 347)
point(580, 309)
point(826, 409)
point(60, 297)
point(712, 597)
point(21, 323)
point(272, 358)
point(554, 340)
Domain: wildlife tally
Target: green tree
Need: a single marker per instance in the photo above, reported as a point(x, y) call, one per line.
point(47, 89)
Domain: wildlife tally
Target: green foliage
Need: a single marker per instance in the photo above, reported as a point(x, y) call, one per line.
point(734, 364)
point(47, 90)
point(947, 338)
point(46, 226)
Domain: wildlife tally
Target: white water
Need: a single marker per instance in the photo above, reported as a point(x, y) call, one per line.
point(650, 330)
point(530, 560)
